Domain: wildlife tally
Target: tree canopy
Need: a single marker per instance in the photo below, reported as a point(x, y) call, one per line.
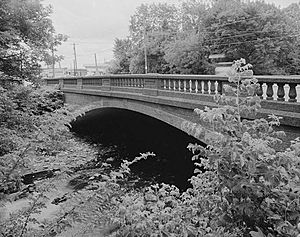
point(27, 37)
point(179, 39)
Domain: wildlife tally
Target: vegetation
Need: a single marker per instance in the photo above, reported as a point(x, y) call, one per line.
point(247, 189)
point(180, 39)
point(27, 38)
point(242, 186)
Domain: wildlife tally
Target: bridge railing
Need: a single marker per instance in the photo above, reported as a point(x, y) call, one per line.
point(276, 88)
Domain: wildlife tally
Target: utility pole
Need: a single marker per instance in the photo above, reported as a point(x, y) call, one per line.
point(74, 67)
point(75, 60)
point(145, 51)
point(96, 64)
point(53, 61)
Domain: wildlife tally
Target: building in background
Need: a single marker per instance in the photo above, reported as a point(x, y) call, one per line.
point(80, 72)
point(63, 72)
point(58, 72)
point(101, 69)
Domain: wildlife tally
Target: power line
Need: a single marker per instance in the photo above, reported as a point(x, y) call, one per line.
point(240, 42)
point(233, 22)
point(240, 35)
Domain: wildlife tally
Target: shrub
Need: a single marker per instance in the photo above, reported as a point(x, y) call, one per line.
point(247, 189)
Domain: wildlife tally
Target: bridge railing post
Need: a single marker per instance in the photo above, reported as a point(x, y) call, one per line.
point(151, 85)
point(60, 83)
point(79, 83)
point(106, 83)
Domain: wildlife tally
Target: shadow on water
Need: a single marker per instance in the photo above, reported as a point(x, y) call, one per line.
point(129, 134)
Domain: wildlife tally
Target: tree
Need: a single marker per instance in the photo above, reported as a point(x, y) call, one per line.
point(292, 14)
point(151, 28)
point(188, 55)
point(27, 37)
point(152, 18)
point(193, 14)
point(253, 30)
point(122, 55)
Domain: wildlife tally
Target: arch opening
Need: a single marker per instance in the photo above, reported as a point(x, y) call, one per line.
point(124, 134)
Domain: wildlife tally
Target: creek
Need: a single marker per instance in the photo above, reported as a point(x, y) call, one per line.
point(121, 134)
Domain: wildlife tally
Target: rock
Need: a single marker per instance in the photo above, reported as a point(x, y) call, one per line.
point(58, 200)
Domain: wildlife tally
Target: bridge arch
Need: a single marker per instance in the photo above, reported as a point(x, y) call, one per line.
point(157, 112)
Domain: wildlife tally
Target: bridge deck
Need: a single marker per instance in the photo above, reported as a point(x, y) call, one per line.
point(280, 94)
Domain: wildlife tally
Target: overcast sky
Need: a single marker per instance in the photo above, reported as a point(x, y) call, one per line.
point(94, 24)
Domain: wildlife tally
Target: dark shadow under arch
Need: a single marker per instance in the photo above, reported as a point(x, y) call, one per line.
point(134, 132)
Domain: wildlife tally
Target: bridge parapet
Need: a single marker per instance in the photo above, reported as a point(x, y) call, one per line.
point(280, 94)
point(276, 88)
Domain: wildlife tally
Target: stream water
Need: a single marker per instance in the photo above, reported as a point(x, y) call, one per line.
point(122, 134)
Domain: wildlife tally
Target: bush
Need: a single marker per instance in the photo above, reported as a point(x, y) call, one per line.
point(247, 189)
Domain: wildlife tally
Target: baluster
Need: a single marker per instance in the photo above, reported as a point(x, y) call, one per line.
point(280, 91)
point(174, 85)
point(184, 85)
point(269, 91)
point(177, 88)
point(165, 84)
point(187, 85)
point(193, 86)
point(292, 92)
point(169, 84)
point(179, 85)
point(190, 85)
point(161, 84)
point(196, 84)
point(205, 87)
point(199, 86)
point(259, 90)
point(213, 87)
point(219, 87)
point(141, 83)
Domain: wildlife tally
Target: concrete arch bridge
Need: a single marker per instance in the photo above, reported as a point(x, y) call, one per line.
point(173, 98)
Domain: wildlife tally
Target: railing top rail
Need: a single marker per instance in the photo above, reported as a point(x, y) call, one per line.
point(262, 78)
point(278, 78)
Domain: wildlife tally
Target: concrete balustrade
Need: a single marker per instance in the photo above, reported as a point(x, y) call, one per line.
point(280, 94)
point(272, 88)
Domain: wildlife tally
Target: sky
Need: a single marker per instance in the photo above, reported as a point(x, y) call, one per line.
point(93, 25)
